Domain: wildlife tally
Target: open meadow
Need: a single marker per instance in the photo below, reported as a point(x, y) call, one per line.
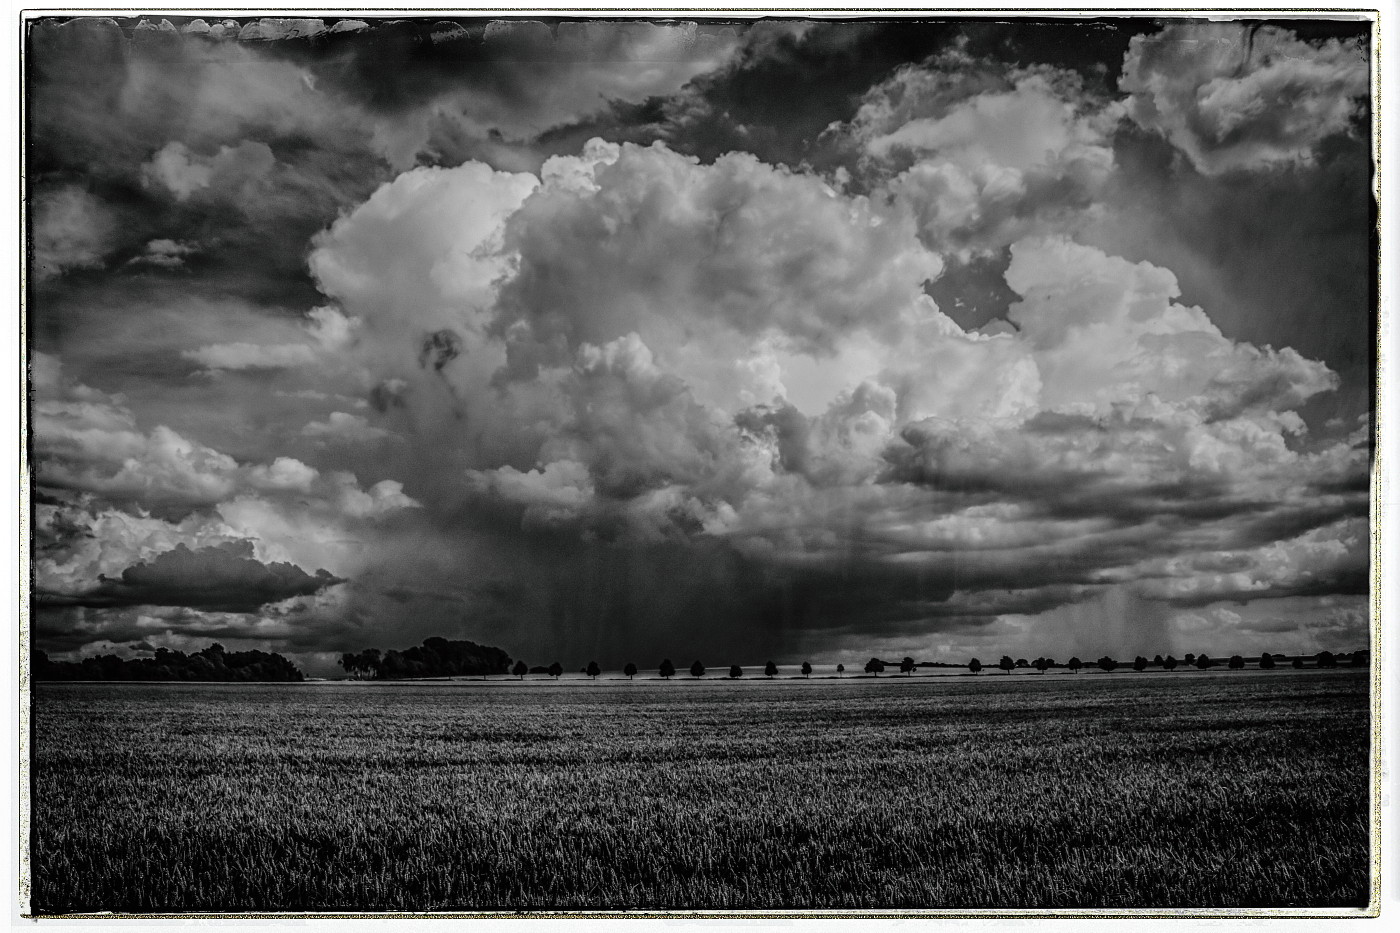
point(1176, 790)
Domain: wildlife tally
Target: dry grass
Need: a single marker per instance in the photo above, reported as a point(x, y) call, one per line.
point(1090, 791)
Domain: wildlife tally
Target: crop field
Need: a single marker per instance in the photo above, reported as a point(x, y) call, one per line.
point(1123, 790)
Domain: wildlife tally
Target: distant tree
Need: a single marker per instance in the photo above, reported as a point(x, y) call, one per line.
point(906, 666)
point(630, 670)
point(348, 660)
point(1022, 662)
point(697, 669)
point(975, 666)
point(1189, 660)
point(1157, 660)
point(592, 670)
point(1169, 663)
point(735, 671)
point(840, 670)
point(1297, 664)
point(770, 669)
point(806, 668)
point(1074, 664)
point(1042, 664)
point(1326, 659)
point(520, 670)
point(1266, 662)
point(1106, 664)
point(1236, 662)
point(1361, 658)
point(1006, 663)
point(874, 666)
point(555, 670)
point(1203, 662)
point(668, 670)
point(1139, 664)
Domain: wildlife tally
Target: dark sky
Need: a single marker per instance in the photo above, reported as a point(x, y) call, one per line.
point(731, 339)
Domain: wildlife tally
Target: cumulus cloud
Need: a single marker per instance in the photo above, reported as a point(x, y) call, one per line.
point(328, 334)
point(1247, 97)
point(72, 230)
point(981, 153)
point(223, 577)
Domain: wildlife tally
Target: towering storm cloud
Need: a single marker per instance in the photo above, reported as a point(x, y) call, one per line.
point(370, 334)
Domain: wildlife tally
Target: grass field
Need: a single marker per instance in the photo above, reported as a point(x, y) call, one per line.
point(1125, 790)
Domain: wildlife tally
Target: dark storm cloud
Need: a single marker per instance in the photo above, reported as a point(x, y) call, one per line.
point(222, 578)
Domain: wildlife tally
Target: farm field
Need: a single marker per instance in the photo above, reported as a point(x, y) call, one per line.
point(1169, 791)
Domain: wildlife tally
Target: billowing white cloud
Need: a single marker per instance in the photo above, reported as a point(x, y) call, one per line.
point(1236, 96)
point(982, 154)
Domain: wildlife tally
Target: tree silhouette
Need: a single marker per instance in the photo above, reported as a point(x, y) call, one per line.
point(1074, 664)
point(1106, 664)
point(906, 666)
point(1022, 662)
point(630, 670)
point(1297, 664)
point(735, 671)
point(1169, 663)
point(1236, 662)
point(1006, 663)
point(697, 669)
point(974, 665)
point(1203, 662)
point(555, 670)
point(668, 670)
point(840, 670)
point(770, 669)
point(1139, 664)
point(1361, 658)
point(1266, 662)
point(1042, 664)
point(520, 670)
point(806, 668)
point(874, 666)
point(592, 670)
point(1189, 660)
point(1157, 660)
point(1326, 659)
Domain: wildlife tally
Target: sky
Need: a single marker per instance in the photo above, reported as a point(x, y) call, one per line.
point(734, 340)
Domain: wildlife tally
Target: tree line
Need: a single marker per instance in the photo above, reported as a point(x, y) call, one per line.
point(1203, 662)
point(436, 657)
point(214, 663)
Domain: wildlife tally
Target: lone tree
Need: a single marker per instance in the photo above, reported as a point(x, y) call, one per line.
point(520, 670)
point(735, 671)
point(1169, 663)
point(1157, 660)
point(630, 670)
point(1042, 664)
point(1326, 659)
point(975, 666)
point(1203, 662)
point(906, 666)
point(697, 669)
point(1074, 664)
point(1189, 659)
point(874, 666)
point(1107, 664)
point(1139, 664)
point(1236, 662)
point(555, 670)
point(1266, 662)
point(593, 670)
point(806, 668)
point(770, 669)
point(668, 670)
point(840, 670)
point(1006, 663)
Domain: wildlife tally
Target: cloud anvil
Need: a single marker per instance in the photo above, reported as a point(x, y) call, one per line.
point(737, 339)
